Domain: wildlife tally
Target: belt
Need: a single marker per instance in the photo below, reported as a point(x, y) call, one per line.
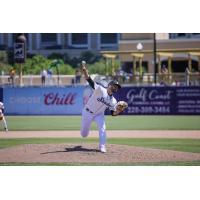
point(87, 109)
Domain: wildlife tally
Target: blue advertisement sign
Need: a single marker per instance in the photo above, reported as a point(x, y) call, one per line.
point(161, 100)
point(44, 101)
point(1, 94)
point(70, 100)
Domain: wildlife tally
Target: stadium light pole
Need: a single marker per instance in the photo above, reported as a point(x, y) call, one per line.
point(154, 56)
point(20, 53)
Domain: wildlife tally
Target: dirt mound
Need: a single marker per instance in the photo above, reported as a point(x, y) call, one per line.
point(89, 153)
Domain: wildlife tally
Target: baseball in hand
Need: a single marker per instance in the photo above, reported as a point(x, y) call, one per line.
point(83, 62)
point(83, 65)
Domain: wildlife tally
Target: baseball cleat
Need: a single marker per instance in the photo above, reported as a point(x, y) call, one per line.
point(6, 129)
point(102, 149)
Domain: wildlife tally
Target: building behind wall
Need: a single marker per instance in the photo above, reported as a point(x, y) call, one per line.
point(71, 43)
point(173, 41)
point(75, 43)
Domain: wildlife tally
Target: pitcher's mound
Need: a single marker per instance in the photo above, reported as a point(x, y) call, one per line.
point(89, 153)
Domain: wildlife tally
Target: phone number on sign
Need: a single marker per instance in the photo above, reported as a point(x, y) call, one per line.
point(149, 109)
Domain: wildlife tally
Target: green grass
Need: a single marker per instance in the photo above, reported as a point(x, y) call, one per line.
point(44, 123)
point(4, 143)
point(178, 163)
point(187, 145)
point(31, 123)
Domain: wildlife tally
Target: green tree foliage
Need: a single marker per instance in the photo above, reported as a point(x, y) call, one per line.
point(65, 69)
point(103, 68)
point(54, 56)
point(10, 56)
point(4, 66)
point(3, 57)
point(97, 68)
point(75, 62)
point(65, 57)
point(58, 67)
point(89, 57)
point(35, 65)
point(116, 65)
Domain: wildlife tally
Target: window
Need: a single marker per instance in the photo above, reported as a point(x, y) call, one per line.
point(1, 38)
point(79, 39)
point(2, 45)
point(181, 34)
point(108, 41)
point(184, 35)
point(108, 38)
point(195, 35)
point(48, 37)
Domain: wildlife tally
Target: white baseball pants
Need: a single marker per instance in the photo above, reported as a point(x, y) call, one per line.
point(87, 119)
point(4, 123)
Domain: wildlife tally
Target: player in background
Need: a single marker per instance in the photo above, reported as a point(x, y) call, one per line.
point(101, 99)
point(2, 118)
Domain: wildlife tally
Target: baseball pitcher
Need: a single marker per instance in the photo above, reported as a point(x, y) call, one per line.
point(2, 118)
point(101, 99)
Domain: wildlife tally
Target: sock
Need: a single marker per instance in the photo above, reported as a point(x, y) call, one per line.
point(5, 124)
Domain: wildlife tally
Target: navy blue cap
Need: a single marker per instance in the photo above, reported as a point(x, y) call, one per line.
point(114, 82)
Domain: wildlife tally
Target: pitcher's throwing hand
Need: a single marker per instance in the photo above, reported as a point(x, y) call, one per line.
point(101, 99)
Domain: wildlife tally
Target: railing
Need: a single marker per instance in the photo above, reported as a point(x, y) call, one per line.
point(178, 79)
point(35, 80)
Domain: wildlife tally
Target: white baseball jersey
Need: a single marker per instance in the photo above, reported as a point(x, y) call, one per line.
point(3, 118)
point(1, 105)
point(100, 100)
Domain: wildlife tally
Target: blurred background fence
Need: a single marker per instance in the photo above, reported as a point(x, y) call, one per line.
point(174, 79)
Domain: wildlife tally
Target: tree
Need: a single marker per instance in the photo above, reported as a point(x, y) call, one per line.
point(97, 68)
point(55, 56)
point(104, 68)
point(36, 64)
point(4, 66)
point(56, 64)
point(89, 57)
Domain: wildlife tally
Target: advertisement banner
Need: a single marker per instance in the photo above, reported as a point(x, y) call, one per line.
point(44, 100)
point(70, 100)
point(161, 100)
point(1, 94)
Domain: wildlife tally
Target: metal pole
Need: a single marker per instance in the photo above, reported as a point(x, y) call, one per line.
point(199, 64)
point(20, 76)
point(154, 55)
point(58, 75)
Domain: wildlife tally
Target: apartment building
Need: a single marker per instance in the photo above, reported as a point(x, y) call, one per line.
point(71, 43)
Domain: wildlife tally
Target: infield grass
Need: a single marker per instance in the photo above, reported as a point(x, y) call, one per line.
point(175, 163)
point(34, 123)
point(186, 145)
point(45, 123)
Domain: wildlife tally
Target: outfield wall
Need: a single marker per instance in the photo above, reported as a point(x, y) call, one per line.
point(43, 100)
point(161, 100)
point(70, 100)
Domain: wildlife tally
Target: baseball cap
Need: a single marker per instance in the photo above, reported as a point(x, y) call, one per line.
point(114, 82)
